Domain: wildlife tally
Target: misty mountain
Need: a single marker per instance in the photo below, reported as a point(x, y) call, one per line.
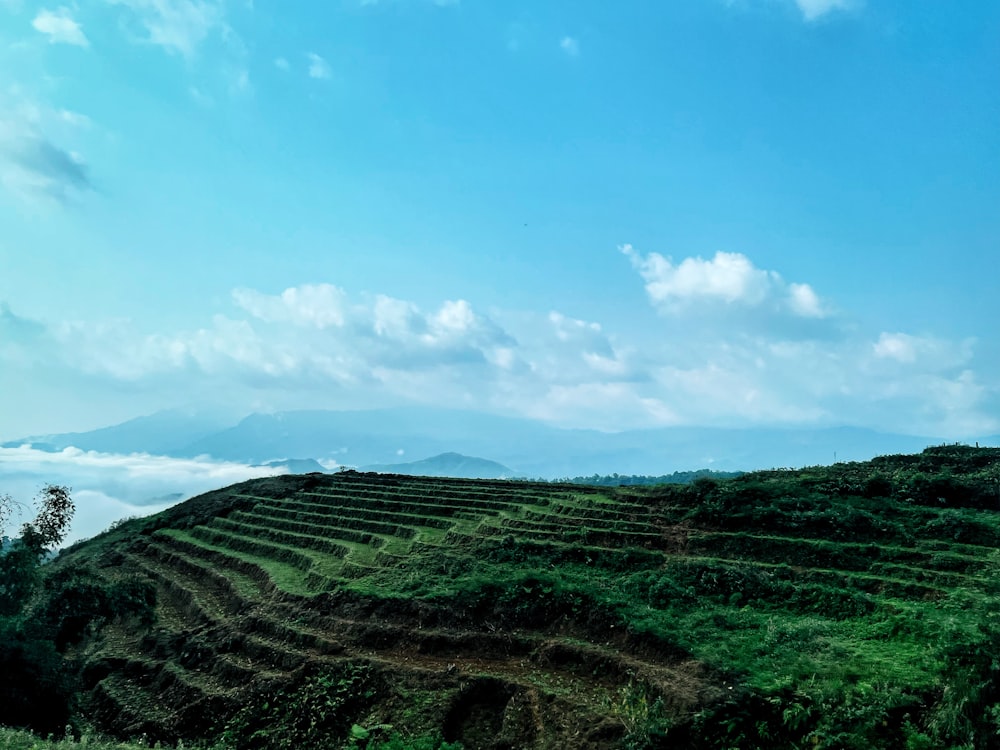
point(163, 433)
point(526, 447)
point(297, 465)
point(447, 465)
point(358, 438)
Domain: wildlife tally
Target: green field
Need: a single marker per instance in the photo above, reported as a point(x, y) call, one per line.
point(852, 606)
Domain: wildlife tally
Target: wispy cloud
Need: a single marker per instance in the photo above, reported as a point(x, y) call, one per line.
point(570, 46)
point(810, 10)
point(239, 81)
point(814, 9)
point(32, 166)
point(75, 119)
point(438, 3)
point(202, 98)
point(179, 26)
point(282, 64)
point(60, 27)
point(318, 67)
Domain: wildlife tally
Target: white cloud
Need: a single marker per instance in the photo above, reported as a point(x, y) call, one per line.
point(933, 354)
point(107, 487)
point(74, 118)
point(570, 46)
point(239, 81)
point(304, 336)
point(205, 100)
point(318, 67)
point(897, 346)
point(804, 301)
point(454, 317)
point(396, 318)
point(586, 342)
point(568, 328)
point(814, 9)
point(317, 305)
point(318, 346)
point(728, 279)
point(438, 3)
point(179, 26)
point(60, 27)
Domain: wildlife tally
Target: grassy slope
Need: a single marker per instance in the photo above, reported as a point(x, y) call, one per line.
point(848, 606)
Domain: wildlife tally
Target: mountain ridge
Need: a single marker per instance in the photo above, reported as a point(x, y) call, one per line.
point(377, 437)
point(450, 464)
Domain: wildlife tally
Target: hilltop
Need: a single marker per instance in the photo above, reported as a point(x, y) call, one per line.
point(846, 606)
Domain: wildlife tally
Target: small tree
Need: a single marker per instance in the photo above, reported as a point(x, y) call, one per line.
point(19, 563)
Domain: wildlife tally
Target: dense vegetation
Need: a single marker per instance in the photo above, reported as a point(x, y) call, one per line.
point(852, 606)
point(635, 480)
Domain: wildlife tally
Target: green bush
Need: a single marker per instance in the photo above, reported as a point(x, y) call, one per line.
point(317, 711)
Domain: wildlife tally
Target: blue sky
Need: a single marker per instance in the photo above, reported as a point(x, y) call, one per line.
point(611, 215)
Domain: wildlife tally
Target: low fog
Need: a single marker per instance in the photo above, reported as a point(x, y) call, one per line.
point(107, 487)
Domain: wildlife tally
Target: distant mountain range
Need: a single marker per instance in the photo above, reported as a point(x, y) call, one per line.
point(447, 465)
point(300, 439)
point(161, 434)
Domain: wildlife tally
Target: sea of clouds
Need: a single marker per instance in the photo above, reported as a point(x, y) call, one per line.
point(108, 487)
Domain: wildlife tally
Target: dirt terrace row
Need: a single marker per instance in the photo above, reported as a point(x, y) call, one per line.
point(232, 627)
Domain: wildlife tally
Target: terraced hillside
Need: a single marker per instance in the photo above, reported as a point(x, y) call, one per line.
point(849, 606)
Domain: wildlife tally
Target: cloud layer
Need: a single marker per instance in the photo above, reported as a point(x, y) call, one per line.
point(107, 487)
point(178, 26)
point(726, 343)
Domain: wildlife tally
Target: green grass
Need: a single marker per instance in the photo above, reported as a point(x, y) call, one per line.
point(14, 739)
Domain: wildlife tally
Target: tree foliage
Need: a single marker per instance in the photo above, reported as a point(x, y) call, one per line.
point(20, 561)
point(34, 690)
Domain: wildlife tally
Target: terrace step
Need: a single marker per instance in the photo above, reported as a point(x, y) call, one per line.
point(285, 553)
point(280, 570)
point(200, 574)
point(569, 534)
point(249, 578)
point(189, 606)
point(845, 555)
point(377, 510)
point(123, 703)
point(584, 520)
point(867, 582)
point(296, 638)
point(396, 524)
point(421, 501)
point(302, 538)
